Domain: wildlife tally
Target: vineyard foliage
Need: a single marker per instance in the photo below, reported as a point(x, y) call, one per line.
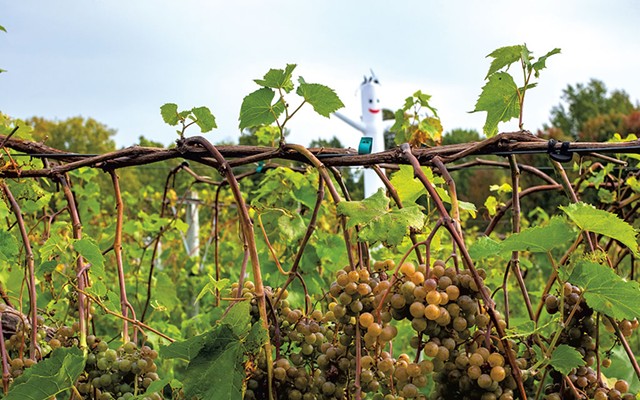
point(294, 290)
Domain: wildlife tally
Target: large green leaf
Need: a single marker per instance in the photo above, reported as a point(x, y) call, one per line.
point(504, 57)
point(184, 349)
point(605, 291)
point(485, 247)
point(409, 187)
point(50, 376)
point(237, 319)
point(169, 113)
point(323, 99)
point(378, 223)
point(540, 239)
point(499, 98)
point(216, 358)
point(204, 119)
point(8, 247)
point(589, 218)
point(216, 372)
point(278, 78)
point(565, 358)
point(90, 250)
point(258, 108)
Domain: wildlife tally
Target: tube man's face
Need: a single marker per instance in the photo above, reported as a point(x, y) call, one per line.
point(371, 107)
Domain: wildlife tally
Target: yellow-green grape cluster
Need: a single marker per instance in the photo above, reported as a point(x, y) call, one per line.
point(584, 380)
point(353, 294)
point(475, 372)
point(117, 374)
point(17, 346)
point(289, 382)
point(443, 305)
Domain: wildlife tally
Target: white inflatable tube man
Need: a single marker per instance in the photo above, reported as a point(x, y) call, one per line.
point(371, 126)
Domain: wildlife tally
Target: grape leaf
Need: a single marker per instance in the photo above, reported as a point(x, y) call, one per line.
point(169, 113)
point(239, 318)
point(2, 28)
point(542, 61)
point(205, 120)
point(409, 187)
point(363, 211)
point(89, 249)
point(217, 371)
point(257, 108)
point(499, 98)
point(55, 245)
point(323, 99)
point(377, 222)
point(484, 247)
point(278, 78)
point(504, 57)
point(216, 358)
point(565, 358)
point(97, 288)
point(49, 377)
point(540, 239)
point(211, 287)
point(330, 249)
point(8, 246)
point(589, 218)
point(45, 267)
point(605, 291)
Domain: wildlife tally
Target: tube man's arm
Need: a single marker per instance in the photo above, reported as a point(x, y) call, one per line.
point(357, 125)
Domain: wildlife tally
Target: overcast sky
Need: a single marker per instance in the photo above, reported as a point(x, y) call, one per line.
point(118, 61)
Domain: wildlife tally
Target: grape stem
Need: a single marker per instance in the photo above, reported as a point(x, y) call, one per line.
point(31, 277)
point(6, 374)
point(249, 237)
point(117, 249)
point(625, 345)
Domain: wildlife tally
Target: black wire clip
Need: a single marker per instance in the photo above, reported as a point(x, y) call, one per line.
point(562, 155)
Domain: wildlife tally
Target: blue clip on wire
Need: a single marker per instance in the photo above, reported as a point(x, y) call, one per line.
point(365, 145)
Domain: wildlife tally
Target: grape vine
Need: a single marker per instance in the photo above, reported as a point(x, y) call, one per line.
point(299, 291)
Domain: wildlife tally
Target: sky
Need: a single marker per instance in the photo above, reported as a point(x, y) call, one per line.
point(118, 61)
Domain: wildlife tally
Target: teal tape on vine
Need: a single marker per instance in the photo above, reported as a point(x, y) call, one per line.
point(365, 145)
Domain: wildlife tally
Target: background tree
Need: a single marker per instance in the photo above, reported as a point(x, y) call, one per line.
point(75, 134)
point(590, 113)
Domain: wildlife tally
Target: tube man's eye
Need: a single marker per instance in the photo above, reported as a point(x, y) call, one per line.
point(370, 100)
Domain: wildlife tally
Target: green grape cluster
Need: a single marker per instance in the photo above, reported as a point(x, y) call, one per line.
point(318, 353)
point(17, 346)
point(118, 374)
point(580, 333)
point(475, 371)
